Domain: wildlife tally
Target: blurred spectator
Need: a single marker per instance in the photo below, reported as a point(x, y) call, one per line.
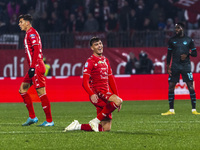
point(3, 27)
point(3, 4)
point(80, 21)
point(124, 17)
point(65, 21)
point(55, 26)
point(24, 7)
point(161, 23)
point(43, 23)
point(97, 11)
point(112, 23)
point(113, 6)
point(130, 65)
point(13, 12)
point(91, 24)
point(132, 20)
point(170, 25)
point(87, 6)
point(155, 13)
point(131, 15)
point(192, 19)
point(106, 12)
point(141, 14)
point(145, 64)
point(41, 6)
point(55, 23)
point(13, 9)
point(72, 23)
point(111, 28)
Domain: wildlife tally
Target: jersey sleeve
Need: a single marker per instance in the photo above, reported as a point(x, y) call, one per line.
point(109, 68)
point(193, 49)
point(34, 39)
point(86, 76)
point(113, 85)
point(169, 52)
point(170, 47)
point(192, 45)
point(88, 67)
point(111, 79)
point(86, 85)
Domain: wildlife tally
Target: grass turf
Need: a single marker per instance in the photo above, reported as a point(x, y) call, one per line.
point(139, 125)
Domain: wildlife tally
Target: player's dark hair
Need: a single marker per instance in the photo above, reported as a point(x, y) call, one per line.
point(26, 17)
point(94, 39)
point(181, 24)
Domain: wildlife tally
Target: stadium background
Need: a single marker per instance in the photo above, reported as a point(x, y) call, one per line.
point(63, 29)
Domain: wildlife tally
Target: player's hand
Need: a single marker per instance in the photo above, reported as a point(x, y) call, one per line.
point(119, 108)
point(94, 98)
point(169, 71)
point(31, 72)
point(183, 56)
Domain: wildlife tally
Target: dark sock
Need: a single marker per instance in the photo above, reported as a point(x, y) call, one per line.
point(171, 100)
point(193, 99)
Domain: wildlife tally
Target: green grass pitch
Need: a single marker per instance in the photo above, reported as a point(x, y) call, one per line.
point(139, 126)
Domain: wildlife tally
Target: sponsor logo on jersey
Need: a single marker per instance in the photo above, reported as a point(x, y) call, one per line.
point(34, 41)
point(84, 70)
point(101, 62)
point(185, 42)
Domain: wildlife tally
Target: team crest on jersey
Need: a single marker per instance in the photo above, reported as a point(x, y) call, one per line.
point(32, 35)
point(185, 42)
point(86, 64)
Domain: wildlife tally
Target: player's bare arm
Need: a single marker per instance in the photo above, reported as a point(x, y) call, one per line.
point(169, 70)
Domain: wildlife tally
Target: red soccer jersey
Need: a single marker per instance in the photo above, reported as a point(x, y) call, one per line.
point(31, 39)
point(99, 69)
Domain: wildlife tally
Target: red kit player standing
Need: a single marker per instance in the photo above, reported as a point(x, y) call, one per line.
point(97, 79)
point(35, 75)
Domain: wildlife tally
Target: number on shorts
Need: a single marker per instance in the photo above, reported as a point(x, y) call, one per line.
point(190, 76)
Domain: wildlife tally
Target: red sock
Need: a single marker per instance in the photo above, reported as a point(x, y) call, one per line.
point(110, 107)
point(86, 127)
point(29, 104)
point(46, 107)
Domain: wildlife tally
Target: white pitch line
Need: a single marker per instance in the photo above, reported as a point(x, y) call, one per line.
point(25, 132)
point(9, 123)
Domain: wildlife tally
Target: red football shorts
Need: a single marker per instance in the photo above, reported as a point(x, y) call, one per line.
point(102, 101)
point(38, 80)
